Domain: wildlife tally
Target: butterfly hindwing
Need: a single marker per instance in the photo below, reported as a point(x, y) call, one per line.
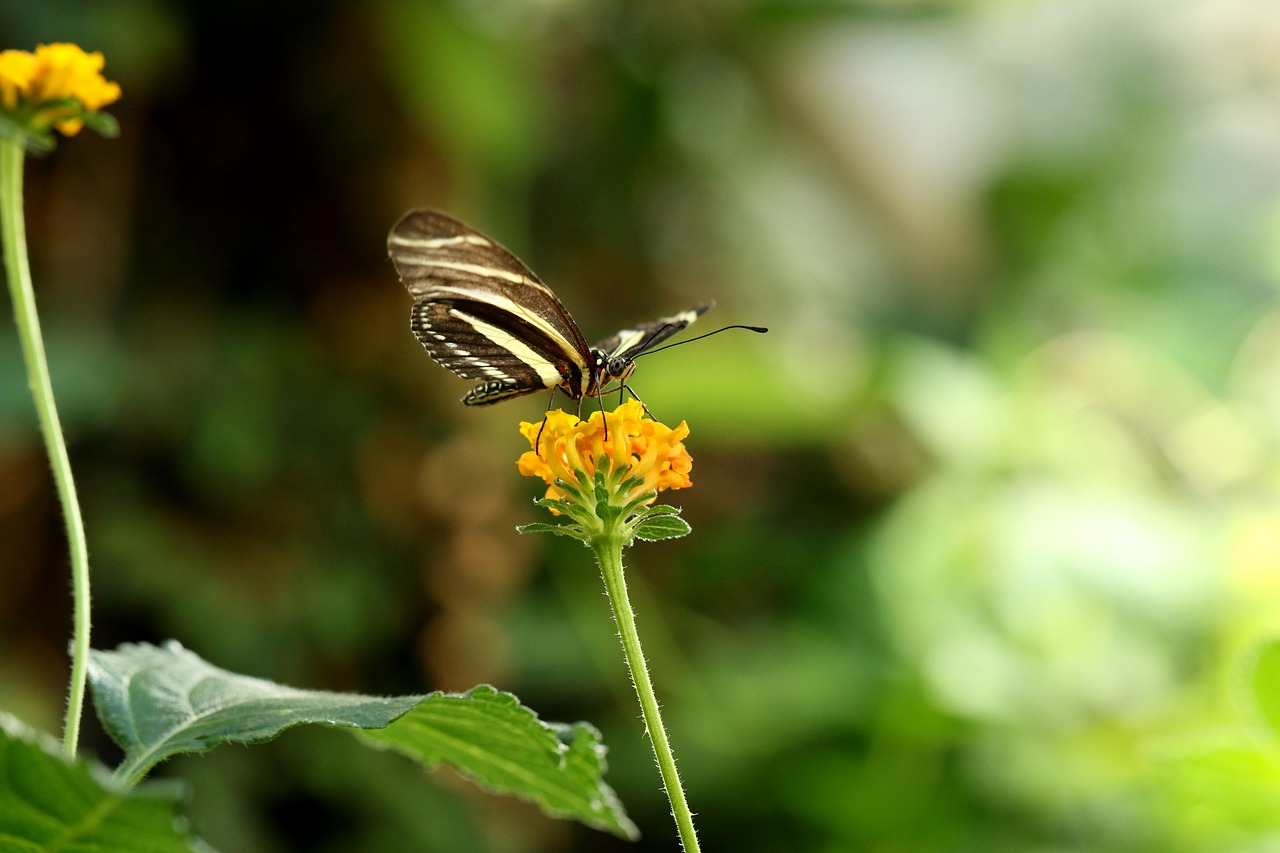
point(465, 339)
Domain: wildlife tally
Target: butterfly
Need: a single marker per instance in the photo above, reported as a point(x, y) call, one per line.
point(484, 315)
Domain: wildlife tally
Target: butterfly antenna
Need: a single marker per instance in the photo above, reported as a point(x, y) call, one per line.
point(759, 329)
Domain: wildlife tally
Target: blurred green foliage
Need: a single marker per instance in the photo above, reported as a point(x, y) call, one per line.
point(986, 530)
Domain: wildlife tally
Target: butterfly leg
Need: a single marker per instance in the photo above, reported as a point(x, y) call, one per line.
point(636, 397)
point(537, 441)
point(604, 420)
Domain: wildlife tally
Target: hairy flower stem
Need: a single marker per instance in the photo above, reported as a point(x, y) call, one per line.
point(608, 551)
point(18, 273)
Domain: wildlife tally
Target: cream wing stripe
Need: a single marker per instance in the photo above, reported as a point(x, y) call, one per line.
point(546, 370)
point(474, 269)
point(411, 260)
point(511, 307)
point(440, 242)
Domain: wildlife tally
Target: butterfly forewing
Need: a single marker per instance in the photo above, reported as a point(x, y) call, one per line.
point(482, 313)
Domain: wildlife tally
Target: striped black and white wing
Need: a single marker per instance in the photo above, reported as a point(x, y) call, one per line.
point(629, 343)
point(483, 314)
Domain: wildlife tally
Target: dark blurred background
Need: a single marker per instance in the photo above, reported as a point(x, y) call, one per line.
point(980, 528)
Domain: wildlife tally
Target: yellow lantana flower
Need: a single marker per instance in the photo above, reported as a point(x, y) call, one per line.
point(54, 87)
point(647, 455)
point(602, 474)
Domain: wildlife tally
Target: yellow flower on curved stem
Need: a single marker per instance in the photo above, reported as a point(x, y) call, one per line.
point(59, 86)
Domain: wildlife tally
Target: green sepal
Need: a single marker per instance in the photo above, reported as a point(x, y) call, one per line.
point(54, 104)
point(591, 506)
point(572, 490)
point(32, 141)
point(582, 515)
point(601, 489)
point(10, 129)
point(630, 483)
point(662, 527)
point(636, 505)
point(609, 514)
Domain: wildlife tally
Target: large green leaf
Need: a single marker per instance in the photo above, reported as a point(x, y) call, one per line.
point(159, 702)
point(49, 803)
point(501, 745)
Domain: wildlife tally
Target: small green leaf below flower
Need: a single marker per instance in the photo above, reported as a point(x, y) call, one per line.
point(104, 124)
point(158, 702)
point(659, 527)
point(558, 529)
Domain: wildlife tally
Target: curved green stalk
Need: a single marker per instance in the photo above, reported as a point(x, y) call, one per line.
point(608, 551)
point(18, 273)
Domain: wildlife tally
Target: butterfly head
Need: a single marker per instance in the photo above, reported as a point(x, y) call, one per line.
point(609, 369)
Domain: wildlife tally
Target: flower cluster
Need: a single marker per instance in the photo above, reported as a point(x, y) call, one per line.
point(624, 445)
point(58, 86)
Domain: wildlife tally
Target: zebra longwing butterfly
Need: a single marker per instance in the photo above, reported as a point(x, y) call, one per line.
point(484, 315)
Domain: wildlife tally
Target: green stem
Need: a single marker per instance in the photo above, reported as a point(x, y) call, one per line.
point(608, 551)
point(18, 273)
